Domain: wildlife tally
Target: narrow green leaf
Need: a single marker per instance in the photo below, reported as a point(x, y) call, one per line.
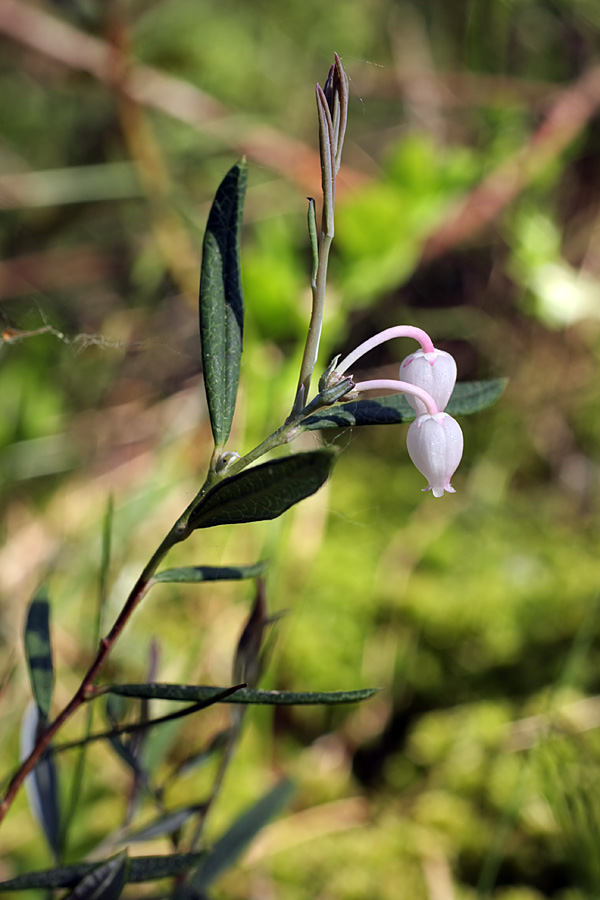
point(141, 869)
point(221, 302)
point(190, 693)
point(113, 734)
point(38, 651)
point(468, 397)
point(193, 574)
point(197, 760)
point(265, 491)
point(230, 846)
point(79, 767)
point(105, 882)
point(41, 785)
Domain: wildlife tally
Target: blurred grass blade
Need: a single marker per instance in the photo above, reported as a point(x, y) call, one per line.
point(125, 754)
point(264, 491)
point(468, 397)
point(162, 826)
point(190, 693)
point(229, 847)
point(41, 785)
point(217, 743)
point(246, 662)
point(221, 301)
point(79, 768)
point(105, 882)
point(38, 651)
point(194, 574)
point(105, 555)
point(141, 869)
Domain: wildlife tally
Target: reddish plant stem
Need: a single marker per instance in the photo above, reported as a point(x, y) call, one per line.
point(85, 688)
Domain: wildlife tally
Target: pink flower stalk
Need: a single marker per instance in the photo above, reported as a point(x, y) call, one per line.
point(420, 395)
point(435, 445)
point(435, 372)
point(434, 440)
point(397, 331)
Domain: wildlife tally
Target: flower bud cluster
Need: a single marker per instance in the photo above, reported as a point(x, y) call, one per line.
point(427, 378)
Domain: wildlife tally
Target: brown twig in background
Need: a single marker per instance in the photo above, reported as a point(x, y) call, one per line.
point(171, 236)
point(570, 111)
point(569, 114)
point(56, 269)
point(61, 42)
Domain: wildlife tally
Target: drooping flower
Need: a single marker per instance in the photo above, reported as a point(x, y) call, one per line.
point(435, 372)
point(427, 378)
point(435, 445)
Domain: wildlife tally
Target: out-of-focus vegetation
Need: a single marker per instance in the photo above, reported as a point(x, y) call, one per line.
point(469, 204)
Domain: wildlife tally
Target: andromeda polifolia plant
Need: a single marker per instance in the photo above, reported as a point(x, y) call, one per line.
point(237, 489)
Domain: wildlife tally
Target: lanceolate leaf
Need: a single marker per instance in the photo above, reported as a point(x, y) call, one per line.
point(229, 847)
point(194, 574)
point(221, 301)
point(191, 693)
point(39, 651)
point(105, 882)
point(265, 491)
point(141, 868)
point(468, 397)
point(41, 785)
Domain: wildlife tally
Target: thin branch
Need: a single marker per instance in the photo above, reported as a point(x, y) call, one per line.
point(147, 723)
point(568, 116)
point(73, 48)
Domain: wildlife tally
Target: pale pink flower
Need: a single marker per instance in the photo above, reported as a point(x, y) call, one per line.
point(434, 372)
point(435, 445)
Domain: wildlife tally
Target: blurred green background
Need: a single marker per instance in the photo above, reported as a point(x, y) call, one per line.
point(468, 204)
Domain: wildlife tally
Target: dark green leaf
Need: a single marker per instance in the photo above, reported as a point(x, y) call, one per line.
point(141, 868)
point(229, 847)
point(42, 784)
point(113, 736)
point(192, 574)
point(39, 651)
point(265, 491)
point(468, 397)
point(189, 693)
point(221, 301)
point(105, 882)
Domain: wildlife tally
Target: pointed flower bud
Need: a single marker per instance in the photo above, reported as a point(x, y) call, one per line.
point(435, 372)
point(435, 445)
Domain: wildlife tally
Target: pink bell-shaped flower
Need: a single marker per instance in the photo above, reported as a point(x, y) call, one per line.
point(435, 372)
point(435, 445)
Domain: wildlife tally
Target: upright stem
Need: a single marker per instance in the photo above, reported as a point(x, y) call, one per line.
point(332, 110)
point(313, 338)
